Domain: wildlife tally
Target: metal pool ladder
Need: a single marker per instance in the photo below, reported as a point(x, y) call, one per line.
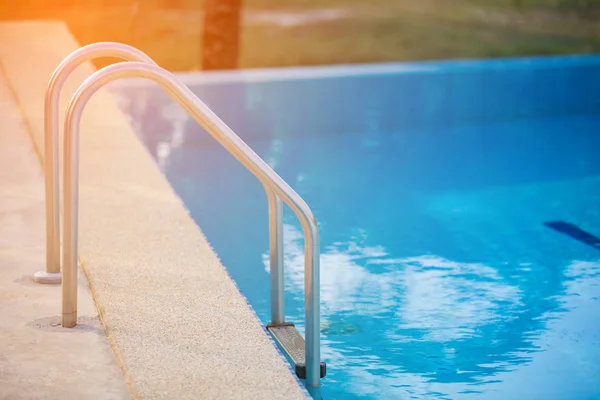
point(304, 355)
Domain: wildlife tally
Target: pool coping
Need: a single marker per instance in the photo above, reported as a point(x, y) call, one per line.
point(132, 226)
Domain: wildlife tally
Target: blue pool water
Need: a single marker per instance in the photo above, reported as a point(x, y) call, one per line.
point(459, 208)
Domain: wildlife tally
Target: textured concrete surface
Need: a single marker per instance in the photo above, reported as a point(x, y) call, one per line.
point(174, 317)
point(38, 359)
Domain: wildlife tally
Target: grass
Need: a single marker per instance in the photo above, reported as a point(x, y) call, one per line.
point(367, 31)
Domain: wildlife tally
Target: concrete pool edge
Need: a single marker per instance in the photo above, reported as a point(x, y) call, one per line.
point(147, 262)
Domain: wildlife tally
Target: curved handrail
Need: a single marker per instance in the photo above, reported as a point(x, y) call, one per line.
point(228, 139)
point(51, 134)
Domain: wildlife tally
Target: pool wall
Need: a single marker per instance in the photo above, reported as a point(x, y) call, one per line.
point(497, 111)
point(178, 325)
point(426, 95)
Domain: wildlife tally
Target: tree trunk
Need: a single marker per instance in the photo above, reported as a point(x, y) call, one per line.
point(221, 34)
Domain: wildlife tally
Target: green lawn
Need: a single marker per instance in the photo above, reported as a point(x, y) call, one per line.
point(364, 31)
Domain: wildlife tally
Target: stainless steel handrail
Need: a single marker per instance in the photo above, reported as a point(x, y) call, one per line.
point(276, 257)
point(277, 189)
point(51, 134)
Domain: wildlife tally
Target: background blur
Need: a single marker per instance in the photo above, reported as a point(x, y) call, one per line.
point(315, 32)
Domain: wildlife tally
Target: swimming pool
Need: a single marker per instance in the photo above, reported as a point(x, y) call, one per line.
point(459, 208)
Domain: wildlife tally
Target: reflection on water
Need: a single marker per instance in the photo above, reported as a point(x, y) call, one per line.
point(425, 326)
point(166, 130)
point(446, 300)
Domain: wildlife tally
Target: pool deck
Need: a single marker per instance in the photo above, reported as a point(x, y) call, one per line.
point(38, 359)
point(168, 322)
